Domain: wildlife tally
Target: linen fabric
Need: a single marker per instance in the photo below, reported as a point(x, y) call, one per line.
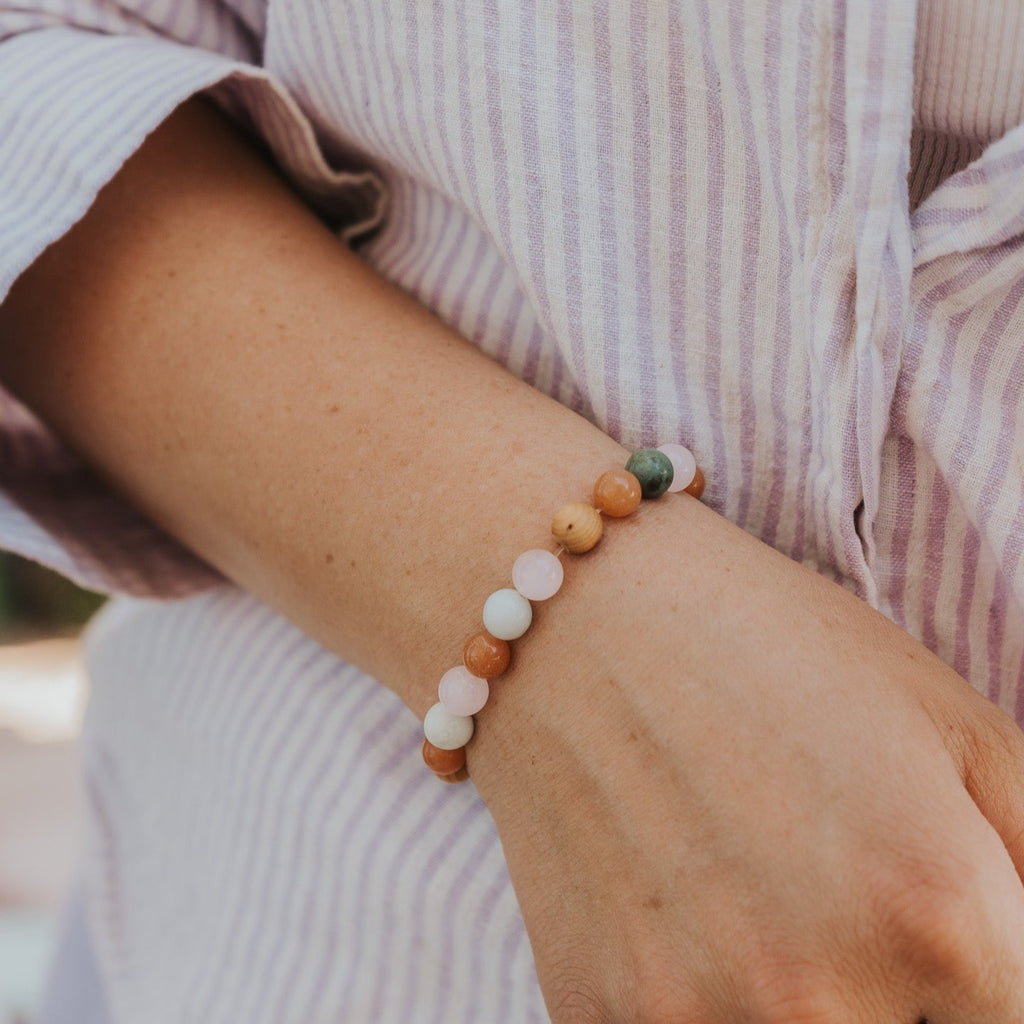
point(690, 221)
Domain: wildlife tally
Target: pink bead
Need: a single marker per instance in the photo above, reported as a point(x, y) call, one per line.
point(537, 574)
point(461, 692)
point(684, 466)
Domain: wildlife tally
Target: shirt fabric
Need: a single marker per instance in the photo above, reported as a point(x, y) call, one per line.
point(688, 221)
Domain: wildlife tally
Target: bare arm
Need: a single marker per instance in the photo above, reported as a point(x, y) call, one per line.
point(727, 790)
point(300, 423)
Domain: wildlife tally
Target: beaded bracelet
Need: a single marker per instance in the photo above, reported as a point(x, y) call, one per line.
point(537, 575)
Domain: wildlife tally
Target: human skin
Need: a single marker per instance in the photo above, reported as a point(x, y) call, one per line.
point(728, 791)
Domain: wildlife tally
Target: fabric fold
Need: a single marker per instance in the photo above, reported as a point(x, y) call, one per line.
point(74, 106)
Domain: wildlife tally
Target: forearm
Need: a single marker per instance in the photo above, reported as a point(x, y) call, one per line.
point(308, 429)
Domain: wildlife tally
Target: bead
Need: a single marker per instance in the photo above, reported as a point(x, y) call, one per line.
point(697, 487)
point(617, 493)
point(507, 614)
point(486, 656)
point(653, 469)
point(446, 730)
point(577, 527)
point(443, 762)
point(461, 692)
point(537, 574)
point(460, 776)
point(684, 466)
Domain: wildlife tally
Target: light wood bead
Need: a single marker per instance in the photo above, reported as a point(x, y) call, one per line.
point(577, 527)
point(696, 486)
point(617, 493)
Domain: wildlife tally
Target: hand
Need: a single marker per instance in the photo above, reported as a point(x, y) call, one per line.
point(729, 792)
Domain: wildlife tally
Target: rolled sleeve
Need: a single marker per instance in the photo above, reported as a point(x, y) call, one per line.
point(75, 102)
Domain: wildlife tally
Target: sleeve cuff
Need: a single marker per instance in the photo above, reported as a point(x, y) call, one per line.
point(74, 106)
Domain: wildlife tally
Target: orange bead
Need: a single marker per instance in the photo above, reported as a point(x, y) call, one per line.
point(460, 776)
point(696, 486)
point(617, 493)
point(486, 656)
point(443, 762)
point(577, 527)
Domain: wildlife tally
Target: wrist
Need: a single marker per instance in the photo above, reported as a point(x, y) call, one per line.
point(591, 651)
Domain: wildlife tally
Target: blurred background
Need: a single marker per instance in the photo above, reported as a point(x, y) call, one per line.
point(42, 693)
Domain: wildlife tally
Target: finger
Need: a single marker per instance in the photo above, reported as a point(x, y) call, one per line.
point(963, 931)
point(993, 774)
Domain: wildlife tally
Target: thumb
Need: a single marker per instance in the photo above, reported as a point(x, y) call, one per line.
point(990, 754)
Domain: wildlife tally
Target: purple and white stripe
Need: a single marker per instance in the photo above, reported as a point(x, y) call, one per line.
point(688, 221)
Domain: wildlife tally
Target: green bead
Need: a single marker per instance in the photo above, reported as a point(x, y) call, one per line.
point(653, 469)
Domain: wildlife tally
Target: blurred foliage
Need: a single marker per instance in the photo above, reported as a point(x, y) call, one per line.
point(36, 602)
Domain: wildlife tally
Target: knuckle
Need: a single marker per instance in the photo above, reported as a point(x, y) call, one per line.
point(573, 998)
point(661, 1001)
point(928, 923)
point(642, 996)
point(787, 994)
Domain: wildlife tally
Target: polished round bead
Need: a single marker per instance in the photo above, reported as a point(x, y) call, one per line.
point(507, 614)
point(617, 493)
point(443, 762)
point(461, 692)
point(537, 574)
point(486, 656)
point(696, 487)
point(684, 466)
point(653, 469)
point(577, 527)
point(446, 730)
point(460, 776)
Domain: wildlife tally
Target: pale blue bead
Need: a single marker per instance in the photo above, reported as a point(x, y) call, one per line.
point(445, 730)
point(507, 614)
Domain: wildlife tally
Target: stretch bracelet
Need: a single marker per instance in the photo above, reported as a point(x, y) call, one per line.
point(537, 575)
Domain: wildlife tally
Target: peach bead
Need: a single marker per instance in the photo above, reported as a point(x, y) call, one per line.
point(696, 488)
point(577, 527)
point(443, 762)
point(537, 574)
point(461, 692)
point(486, 656)
point(617, 493)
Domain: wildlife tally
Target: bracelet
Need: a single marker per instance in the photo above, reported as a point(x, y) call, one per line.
point(536, 576)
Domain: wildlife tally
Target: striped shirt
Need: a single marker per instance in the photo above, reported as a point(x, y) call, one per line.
point(782, 234)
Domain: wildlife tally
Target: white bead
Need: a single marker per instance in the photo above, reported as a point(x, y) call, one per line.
point(445, 730)
point(684, 466)
point(507, 614)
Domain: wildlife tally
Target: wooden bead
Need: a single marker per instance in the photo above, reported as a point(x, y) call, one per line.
point(443, 762)
point(696, 488)
point(486, 656)
point(617, 493)
point(577, 527)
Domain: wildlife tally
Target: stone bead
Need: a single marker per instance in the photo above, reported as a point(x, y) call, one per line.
point(696, 488)
point(653, 469)
point(443, 762)
point(617, 493)
point(461, 692)
point(486, 656)
point(537, 574)
point(507, 614)
point(577, 527)
point(460, 776)
point(684, 466)
point(446, 730)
